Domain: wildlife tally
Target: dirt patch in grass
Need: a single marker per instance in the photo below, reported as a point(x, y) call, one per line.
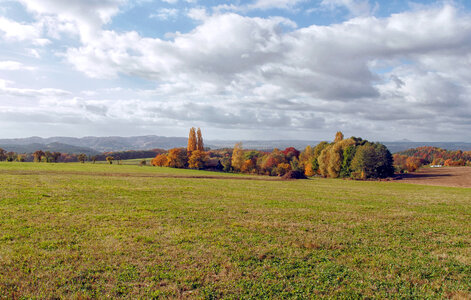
point(446, 176)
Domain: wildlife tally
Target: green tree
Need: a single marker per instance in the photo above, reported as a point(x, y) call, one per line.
point(348, 154)
point(226, 163)
point(296, 165)
point(372, 161)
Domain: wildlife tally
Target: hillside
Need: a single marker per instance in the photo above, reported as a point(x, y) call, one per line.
point(105, 144)
point(52, 147)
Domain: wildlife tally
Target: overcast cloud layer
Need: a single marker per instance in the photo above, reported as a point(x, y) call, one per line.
point(284, 69)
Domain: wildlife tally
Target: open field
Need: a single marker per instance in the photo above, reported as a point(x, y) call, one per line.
point(134, 161)
point(109, 231)
point(445, 176)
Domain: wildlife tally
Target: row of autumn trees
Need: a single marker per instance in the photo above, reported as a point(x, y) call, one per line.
point(345, 158)
point(37, 156)
point(412, 159)
point(55, 157)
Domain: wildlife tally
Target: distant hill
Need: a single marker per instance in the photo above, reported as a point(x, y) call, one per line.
point(402, 146)
point(52, 147)
point(93, 145)
point(104, 144)
point(261, 145)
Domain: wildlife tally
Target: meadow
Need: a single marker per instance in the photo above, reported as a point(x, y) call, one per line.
point(124, 231)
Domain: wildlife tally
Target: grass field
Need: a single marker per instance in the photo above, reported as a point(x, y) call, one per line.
point(134, 161)
point(109, 231)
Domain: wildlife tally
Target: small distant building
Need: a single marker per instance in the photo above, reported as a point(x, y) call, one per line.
point(213, 164)
point(436, 166)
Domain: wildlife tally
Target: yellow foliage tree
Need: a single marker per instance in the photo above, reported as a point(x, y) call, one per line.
point(336, 157)
point(323, 161)
point(237, 157)
point(282, 169)
point(338, 137)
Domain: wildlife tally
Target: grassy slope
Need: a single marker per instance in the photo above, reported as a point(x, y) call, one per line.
point(84, 235)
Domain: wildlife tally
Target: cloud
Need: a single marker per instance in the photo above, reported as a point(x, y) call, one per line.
point(271, 4)
point(86, 15)
point(10, 65)
point(165, 14)
point(230, 52)
point(198, 14)
point(6, 90)
point(354, 7)
point(264, 73)
point(15, 31)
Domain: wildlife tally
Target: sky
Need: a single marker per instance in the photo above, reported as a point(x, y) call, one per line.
point(247, 69)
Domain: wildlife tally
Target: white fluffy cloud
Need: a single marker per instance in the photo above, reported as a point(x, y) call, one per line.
point(15, 31)
point(86, 15)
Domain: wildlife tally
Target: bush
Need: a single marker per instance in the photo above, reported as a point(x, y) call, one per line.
point(294, 175)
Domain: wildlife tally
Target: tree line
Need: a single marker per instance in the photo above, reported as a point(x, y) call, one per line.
point(412, 159)
point(56, 157)
point(344, 158)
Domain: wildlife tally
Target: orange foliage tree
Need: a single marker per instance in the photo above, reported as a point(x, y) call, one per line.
point(413, 163)
point(197, 159)
point(160, 160)
point(199, 143)
point(191, 141)
point(177, 158)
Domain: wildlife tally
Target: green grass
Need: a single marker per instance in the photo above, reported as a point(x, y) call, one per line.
point(74, 231)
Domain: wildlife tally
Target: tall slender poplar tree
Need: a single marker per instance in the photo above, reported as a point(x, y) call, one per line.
point(199, 145)
point(191, 141)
